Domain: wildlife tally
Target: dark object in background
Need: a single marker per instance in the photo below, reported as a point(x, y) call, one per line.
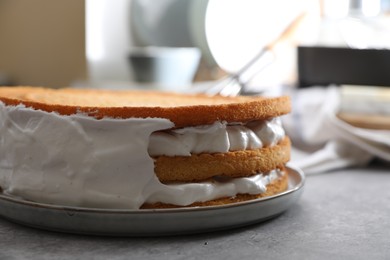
point(322, 66)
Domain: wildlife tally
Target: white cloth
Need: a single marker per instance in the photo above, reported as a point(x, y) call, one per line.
point(314, 126)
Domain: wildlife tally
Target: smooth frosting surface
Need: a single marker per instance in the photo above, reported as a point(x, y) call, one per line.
point(81, 161)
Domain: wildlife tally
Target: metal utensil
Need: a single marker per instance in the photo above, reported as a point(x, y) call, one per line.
point(235, 84)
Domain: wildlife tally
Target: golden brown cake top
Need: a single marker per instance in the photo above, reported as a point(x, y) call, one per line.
point(182, 109)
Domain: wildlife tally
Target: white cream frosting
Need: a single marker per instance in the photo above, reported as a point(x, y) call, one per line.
point(81, 161)
point(216, 138)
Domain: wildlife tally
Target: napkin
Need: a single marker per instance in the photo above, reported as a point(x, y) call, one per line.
point(323, 141)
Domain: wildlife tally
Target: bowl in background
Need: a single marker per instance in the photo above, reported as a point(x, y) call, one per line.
point(165, 68)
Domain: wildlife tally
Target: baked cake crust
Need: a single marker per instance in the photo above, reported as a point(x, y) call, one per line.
point(182, 110)
point(203, 166)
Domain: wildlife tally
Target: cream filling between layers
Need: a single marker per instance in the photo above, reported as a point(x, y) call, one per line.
point(219, 137)
point(81, 161)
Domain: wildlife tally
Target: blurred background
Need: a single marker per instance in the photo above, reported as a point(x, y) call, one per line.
point(42, 42)
point(174, 43)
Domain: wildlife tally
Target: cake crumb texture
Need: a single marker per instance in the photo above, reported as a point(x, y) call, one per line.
point(182, 109)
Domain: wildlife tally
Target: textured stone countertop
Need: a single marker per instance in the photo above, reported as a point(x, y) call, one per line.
point(341, 215)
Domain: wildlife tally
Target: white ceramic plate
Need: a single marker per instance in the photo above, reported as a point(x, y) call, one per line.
point(151, 222)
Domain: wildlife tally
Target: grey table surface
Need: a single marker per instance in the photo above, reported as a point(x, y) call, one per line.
point(341, 215)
